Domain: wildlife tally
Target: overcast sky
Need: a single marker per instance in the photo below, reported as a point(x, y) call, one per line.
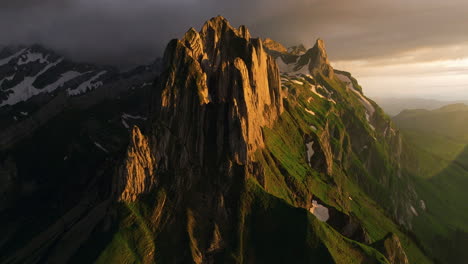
point(416, 48)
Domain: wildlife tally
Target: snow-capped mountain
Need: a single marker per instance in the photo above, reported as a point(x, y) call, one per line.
point(37, 84)
point(27, 72)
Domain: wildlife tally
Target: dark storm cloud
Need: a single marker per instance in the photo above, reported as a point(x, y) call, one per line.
point(130, 32)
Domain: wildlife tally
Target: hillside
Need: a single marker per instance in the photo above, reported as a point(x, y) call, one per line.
point(436, 144)
point(232, 150)
point(393, 106)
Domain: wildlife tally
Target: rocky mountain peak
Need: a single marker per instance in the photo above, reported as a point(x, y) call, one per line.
point(272, 45)
point(319, 59)
point(297, 59)
point(297, 50)
point(218, 82)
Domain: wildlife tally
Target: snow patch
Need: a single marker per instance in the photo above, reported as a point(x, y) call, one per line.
point(25, 90)
point(314, 128)
point(297, 82)
point(9, 78)
point(124, 123)
point(310, 151)
point(32, 57)
point(423, 205)
point(313, 89)
point(101, 147)
point(291, 67)
point(370, 110)
point(320, 211)
point(65, 77)
point(309, 111)
point(24, 113)
point(90, 84)
point(127, 116)
point(8, 59)
point(413, 210)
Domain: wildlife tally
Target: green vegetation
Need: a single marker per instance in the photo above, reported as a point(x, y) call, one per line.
point(436, 147)
point(290, 177)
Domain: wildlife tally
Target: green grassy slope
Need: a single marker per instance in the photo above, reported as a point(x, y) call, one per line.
point(436, 144)
point(273, 223)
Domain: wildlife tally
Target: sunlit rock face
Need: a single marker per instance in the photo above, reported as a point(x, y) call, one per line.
point(137, 173)
point(298, 60)
point(391, 247)
point(218, 89)
point(319, 60)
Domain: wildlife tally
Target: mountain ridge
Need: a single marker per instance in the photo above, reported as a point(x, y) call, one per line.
point(243, 155)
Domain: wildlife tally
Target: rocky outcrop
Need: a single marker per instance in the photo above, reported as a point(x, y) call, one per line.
point(137, 175)
point(272, 45)
point(391, 247)
point(297, 50)
point(319, 62)
point(218, 90)
point(297, 59)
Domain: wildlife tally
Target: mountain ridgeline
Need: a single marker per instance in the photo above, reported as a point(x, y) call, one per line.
point(240, 151)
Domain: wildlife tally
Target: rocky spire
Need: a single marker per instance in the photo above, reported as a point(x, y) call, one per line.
point(218, 90)
point(319, 62)
point(299, 60)
point(137, 174)
point(272, 45)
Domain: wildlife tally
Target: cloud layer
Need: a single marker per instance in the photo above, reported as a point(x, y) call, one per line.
point(125, 31)
point(128, 32)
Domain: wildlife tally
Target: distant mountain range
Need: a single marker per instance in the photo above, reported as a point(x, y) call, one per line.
point(436, 147)
point(393, 106)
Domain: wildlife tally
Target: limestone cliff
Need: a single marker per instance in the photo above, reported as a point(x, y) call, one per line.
point(272, 45)
point(218, 90)
point(137, 174)
point(319, 62)
point(298, 60)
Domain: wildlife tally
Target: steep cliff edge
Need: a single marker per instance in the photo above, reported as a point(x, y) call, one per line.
point(246, 156)
point(217, 91)
point(228, 130)
point(137, 176)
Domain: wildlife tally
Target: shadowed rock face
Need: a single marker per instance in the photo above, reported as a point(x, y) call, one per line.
point(214, 97)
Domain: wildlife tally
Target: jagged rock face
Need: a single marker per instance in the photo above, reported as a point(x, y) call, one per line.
point(319, 62)
point(137, 175)
point(272, 45)
point(391, 247)
point(297, 50)
point(298, 60)
point(218, 90)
